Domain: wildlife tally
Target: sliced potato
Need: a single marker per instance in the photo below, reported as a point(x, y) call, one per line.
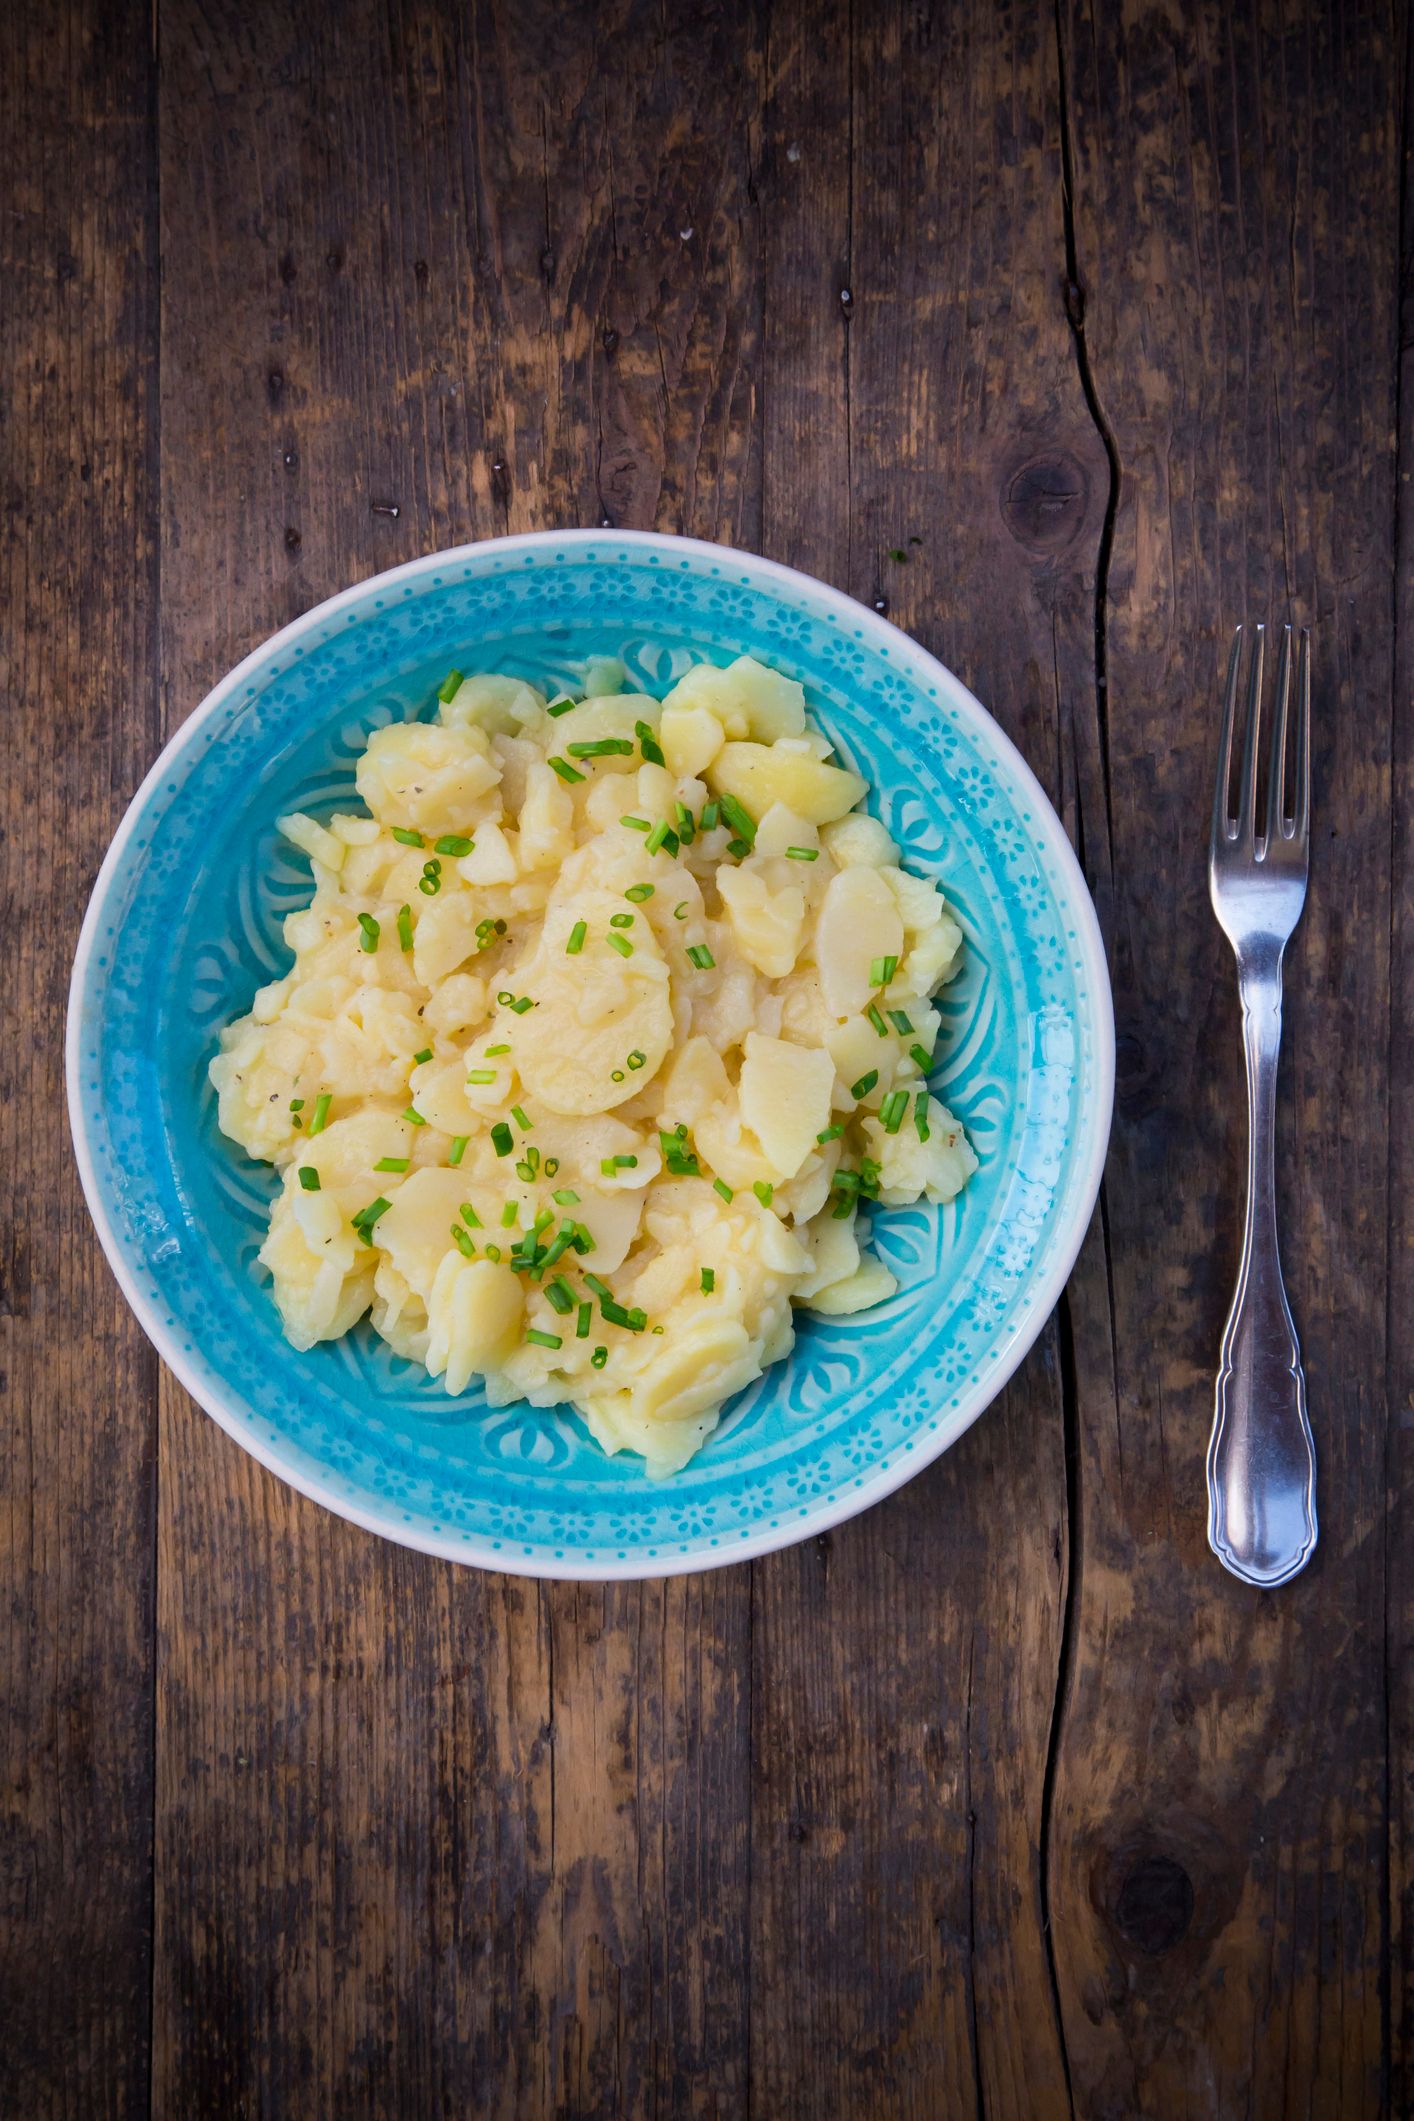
point(785, 1095)
point(759, 775)
point(858, 923)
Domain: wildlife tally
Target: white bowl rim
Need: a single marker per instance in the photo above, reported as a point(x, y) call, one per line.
point(921, 666)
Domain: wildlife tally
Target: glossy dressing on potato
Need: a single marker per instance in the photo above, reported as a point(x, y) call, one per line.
point(601, 1024)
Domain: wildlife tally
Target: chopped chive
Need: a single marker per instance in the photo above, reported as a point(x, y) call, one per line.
point(846, 1207)
point(872, 1012)
point(510, 1214)
point(494, 1252)
point(463, 1242)
point(616, 1075)
point(525, 1169)
point(567, 773)
point(469, 1215)
point(538, 1339)
point(686, 823)
point(660, 835)
point(365, 1219)
point(598, 1359)
point(625, 1163)
point(680, 911)
point(607, 1167)
point(321, 1111)
point(709, 1281)
point(865, 1084)
point(701, 957)
point(405, 927)
point(831, 1133)
point(576, 939)
point(648, 744)
point(620, 943)
point(710, 813)
point(923, 1058)
point(920, 1115)
point(559, 707)
point(763, 1191)
point(601, 747)
point(492, 1051)
point(424, 1055)
point(638, 893)
point(458, 1149)
point(501, 1138)
point(505, 997)
point(543, 1220)
point(520, 1119)
point(738, 848)
point(743, 824)
point(882, 970)
point(392, 1163)
point(636, 824)
point(892, 1110)
point(613, 1314)
point(803, 854)
point(559, 1244)
point(454, 843)
point(552, 1165)
point(429, 884)
point(586, 1313)
point(620, 920)
point(447, 690)
point(660, 1329)
point(369, 939)
point(519, 1008)
point(719, 1185)
point(637, 1060)
point(560, 1296)
point(901, 1022)
point(600, 1288)
point(566, 1197)
point(413, 1117)
point(407, 838)
point(309, 1178)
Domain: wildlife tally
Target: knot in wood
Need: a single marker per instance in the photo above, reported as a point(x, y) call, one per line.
point(1154, 1904)
point(1046, 501)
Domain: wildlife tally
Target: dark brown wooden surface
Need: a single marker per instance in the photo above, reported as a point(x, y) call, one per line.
point(1002, 1799)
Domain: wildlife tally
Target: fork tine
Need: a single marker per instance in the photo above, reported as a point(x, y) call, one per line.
point(1247, 794)
point(1301, 801)
point(1220, 793)
point(1276, 772)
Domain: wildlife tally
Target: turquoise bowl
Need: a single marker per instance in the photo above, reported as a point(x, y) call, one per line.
point(185, 923)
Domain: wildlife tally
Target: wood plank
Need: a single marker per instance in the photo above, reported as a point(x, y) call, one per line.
point(1399, 1477)
point(1218, 1840)
point(429, 1840)
point(920, 380)
point(78, 333)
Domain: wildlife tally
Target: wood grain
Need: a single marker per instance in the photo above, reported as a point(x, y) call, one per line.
point(920, 383)
point(423, 1836)
point(1399, 1473)
point(77, 662)
point(1218, 1842)
point(1001, 1799)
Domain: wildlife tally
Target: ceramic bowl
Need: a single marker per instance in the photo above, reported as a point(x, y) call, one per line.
point(185, 923)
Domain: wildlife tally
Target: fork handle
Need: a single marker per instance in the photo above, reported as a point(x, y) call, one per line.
point(1261, 1460)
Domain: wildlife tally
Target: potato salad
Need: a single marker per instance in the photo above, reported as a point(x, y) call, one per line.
point(607, 1015)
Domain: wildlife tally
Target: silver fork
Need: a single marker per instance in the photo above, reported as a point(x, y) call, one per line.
point(1261, 1460)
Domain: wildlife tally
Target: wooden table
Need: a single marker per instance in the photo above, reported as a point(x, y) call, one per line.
point(1002, 1799)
